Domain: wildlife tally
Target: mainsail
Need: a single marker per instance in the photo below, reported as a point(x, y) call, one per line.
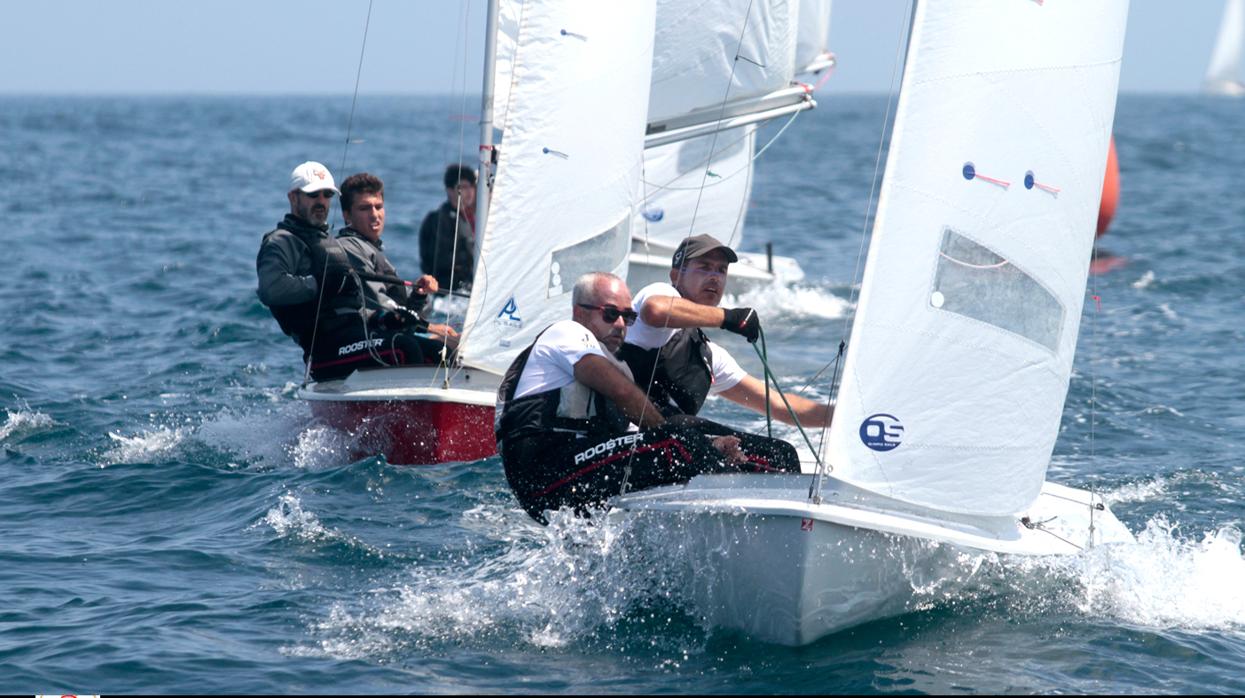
point(1223, 74)
point(703, 107)
point(572, 95)
point(812, 53)
point(962, 346)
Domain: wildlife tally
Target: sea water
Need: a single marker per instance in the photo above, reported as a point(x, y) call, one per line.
point(173, 520)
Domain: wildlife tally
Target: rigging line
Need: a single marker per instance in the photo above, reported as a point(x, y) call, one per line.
point(458, 86)
point(357, 77)
point(723, 178)
point(462, 138)
point(1093, 381)
point(718, 127)
point(831, 399)
point(769, 418)
point(769, 374)
point(1038, 526)
point(315, 325)
point(900, 47)
point(479, 280)
point(691, 226)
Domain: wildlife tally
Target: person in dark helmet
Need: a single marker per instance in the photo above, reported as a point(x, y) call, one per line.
point(573, 429)
point(678, 366)
point(447, 235)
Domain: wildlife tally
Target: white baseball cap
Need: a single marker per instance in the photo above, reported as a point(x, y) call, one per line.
point(310, 177)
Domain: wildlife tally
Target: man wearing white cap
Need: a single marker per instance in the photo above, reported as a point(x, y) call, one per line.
point(301, 274)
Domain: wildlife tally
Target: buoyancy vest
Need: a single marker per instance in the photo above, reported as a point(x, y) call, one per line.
point(682, 374)
point(573, 411)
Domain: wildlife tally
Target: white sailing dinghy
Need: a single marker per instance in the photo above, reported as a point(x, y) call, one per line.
point(567, 177)
point(704, 109)
point(961, 349)
point(1223, 73)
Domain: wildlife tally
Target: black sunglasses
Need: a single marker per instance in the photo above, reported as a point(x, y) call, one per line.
point(320, 193)
point(611, 314)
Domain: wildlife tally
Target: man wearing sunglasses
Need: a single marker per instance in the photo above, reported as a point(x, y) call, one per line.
point(565, 411)
point(302, 274)
point(676, 363)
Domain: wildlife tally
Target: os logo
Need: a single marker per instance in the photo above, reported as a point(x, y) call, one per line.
point(881, 432)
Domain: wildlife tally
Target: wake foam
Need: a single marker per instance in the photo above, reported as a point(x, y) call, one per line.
point(1167, 580)
point(794, 301)
point(23, 422)
point(549, 587)
point(261, 435)
point(146, 447)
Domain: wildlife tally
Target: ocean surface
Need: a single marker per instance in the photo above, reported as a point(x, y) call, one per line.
point(173, 520)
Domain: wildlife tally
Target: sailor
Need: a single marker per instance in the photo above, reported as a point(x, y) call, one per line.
point(308, 283)
point(299, 276)
point(447, 234)
point(567, 410)
point(385, 302)
point(675, 362)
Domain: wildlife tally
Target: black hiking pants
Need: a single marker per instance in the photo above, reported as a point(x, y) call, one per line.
point(549, 472)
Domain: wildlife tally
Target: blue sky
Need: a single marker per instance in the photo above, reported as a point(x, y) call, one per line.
point(417, 46)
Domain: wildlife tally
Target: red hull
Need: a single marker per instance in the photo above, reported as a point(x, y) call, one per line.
point(413, 432)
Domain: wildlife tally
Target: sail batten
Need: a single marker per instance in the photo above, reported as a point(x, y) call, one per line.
point(971, 299)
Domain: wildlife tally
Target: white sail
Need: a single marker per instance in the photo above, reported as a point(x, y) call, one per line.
point(694, 64)
point(812, 51)
point(573, 125)
point(700, 185)
point(962, 346)
point(698, 167)
point(1223, 74)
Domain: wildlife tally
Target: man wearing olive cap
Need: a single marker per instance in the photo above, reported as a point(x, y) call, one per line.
point(667, 347)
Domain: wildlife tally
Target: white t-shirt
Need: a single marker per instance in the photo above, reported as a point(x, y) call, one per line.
point(726, 372)
point(551, 365)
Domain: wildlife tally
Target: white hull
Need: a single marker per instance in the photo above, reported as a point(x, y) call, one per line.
point(765, 560)
point(651, 263)
point(404, 383)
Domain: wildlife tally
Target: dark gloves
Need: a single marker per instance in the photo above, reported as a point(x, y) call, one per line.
point(742, 321)
point(398, 319)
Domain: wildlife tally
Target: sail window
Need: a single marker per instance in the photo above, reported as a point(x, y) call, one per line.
point(973, 281)
point(604, 251)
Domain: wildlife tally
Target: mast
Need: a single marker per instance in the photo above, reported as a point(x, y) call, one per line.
point(484, 176)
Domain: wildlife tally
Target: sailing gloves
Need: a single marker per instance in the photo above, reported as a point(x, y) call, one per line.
point(398, 319)
point(742, 321)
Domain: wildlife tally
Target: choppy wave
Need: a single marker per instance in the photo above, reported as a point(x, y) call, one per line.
point(548, 587)
point(257, 435)
point(145, 447)
point(23, 422)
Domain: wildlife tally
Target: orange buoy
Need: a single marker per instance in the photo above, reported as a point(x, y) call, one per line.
point(1110, 191)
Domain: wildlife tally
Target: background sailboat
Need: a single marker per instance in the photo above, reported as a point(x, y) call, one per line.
point(562, 201)
point(704, 108)
point(962, 345)
point(1223, 74)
